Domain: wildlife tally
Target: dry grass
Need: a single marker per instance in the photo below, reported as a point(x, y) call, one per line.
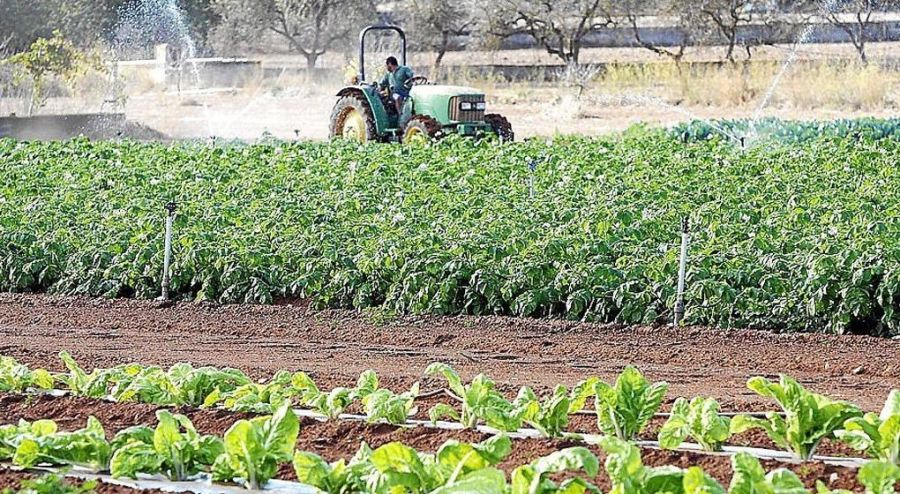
point(806, 85)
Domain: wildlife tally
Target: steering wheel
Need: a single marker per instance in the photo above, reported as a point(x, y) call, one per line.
point(419, 80)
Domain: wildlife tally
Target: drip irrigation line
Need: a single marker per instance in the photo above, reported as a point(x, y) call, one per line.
point(594, 439)
point(593, 413)
point(203, 484)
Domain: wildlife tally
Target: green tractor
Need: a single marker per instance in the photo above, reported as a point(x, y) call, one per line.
point(364, 113)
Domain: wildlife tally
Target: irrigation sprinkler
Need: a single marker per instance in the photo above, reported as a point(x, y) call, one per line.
point(170, 208)
point(682, 272)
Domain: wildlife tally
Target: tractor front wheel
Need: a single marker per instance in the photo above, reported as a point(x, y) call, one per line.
point(352, 119)
point(421, 129)
point(501, 126)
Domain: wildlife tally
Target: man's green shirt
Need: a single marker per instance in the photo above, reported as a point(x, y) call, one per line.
point(396, 80)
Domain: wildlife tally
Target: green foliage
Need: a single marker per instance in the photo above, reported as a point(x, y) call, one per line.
point(876, 435)
point(394, 467)
point(534, 478)
point(86, 447)
point(629, 475)
point(256, 397)
point(254, 448)
point(698, 419)
point(182, 384)
point(175, 449)
point(808, 417)
point(11, 435)
point(551, 417)
point(773, 129)
point(625, 409)
point(798, 237)
point(879, 477)
point(479, 401)
point(52, 484)
point(17, 378)
point(383, 405)
point(750, 478)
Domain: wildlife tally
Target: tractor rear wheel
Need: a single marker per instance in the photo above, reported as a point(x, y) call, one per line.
point(501, 126)
point(421, 128)
point(352, 119)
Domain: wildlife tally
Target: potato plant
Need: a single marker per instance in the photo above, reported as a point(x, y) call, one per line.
point(798, 236)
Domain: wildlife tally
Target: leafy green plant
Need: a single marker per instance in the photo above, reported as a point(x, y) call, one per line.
point(17, 377)
point(551, 417)
point(182, 384)
point(698, 419)
point(879, 477)
point(255, 397)
point(254, 448)
point(534, 478)
point(334, 478)
point(331, 404)
point(876, 435)
point(628, 474)
point(85, 447)
point(175, 449)
point(479, 400)
point(395, 467)
point(10, 435)
point(383, 405)
point(696, 481)
point(808, 417)
point(52, 484)
point(750, 478)
point(625, 409)
point(95, 384)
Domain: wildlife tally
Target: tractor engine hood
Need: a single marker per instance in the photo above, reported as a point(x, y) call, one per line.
point(436, 101)
point(445, 91)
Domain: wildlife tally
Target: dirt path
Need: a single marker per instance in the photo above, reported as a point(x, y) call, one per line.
point(337, 345)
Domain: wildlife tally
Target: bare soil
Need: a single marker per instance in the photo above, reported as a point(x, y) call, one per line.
point(340, 439)
point(335, 346)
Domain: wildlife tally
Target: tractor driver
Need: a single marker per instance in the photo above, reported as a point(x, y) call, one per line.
point(395, 80)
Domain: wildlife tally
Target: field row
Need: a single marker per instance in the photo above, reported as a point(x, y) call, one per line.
point(622, 410)
point(801, 236)
point(175, 449)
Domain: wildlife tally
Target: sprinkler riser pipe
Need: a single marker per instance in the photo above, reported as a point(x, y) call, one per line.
point(167, 258)
point(167, 250)
point(682, 274)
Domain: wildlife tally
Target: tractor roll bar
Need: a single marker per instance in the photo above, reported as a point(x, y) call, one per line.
point(362, 46)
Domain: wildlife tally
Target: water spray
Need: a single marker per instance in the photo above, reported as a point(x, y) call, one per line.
point(170, 208)
point(682, 272)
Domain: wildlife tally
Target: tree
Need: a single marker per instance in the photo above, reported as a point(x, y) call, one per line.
point(560, 27)
point(861, 13)
point(309, 27)
point(726, 16)
point(434, 24)
point(681, 12)
point(46, 58)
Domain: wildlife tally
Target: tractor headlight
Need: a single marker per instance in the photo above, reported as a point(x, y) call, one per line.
point(481, 106)
point(466, 106)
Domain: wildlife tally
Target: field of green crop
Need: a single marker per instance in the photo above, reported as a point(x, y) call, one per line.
point(800, 236)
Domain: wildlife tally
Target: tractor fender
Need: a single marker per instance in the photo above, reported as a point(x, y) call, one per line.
point(375, 104)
